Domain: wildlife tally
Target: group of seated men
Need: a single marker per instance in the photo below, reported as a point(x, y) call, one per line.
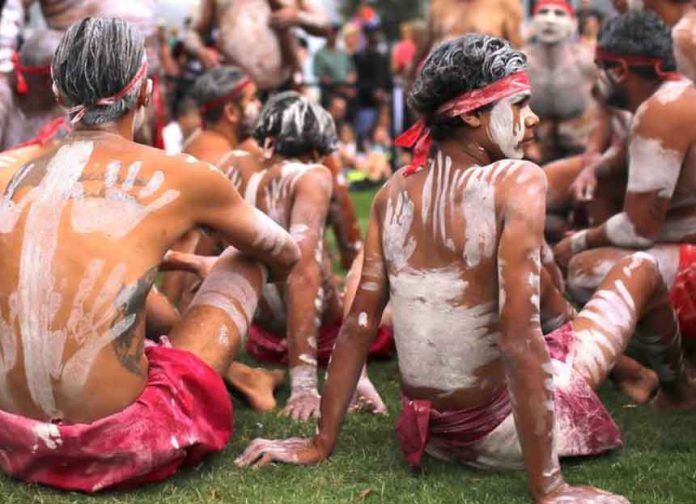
point(498, 369)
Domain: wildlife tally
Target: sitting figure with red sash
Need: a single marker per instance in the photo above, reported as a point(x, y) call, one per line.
point(85, 403)
point(659, 212)
point(455, 244)
point(29, 112)
point(297, 323)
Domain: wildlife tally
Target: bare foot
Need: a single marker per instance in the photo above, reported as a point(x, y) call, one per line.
point(640, 387)
point(257, 385)
point(682, 398)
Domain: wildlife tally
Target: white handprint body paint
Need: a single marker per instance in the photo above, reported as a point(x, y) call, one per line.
point(117, 213)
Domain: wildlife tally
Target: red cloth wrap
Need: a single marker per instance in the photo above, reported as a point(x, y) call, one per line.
point(627, 60)
point(556, 3)
point(183, 413)
point(419, 423)
point(22, 87)
point(683, 293)
point(269, 348)
point(418, 138)
point(585, 427)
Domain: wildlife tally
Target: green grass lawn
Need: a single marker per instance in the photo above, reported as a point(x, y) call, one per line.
point(658, 464)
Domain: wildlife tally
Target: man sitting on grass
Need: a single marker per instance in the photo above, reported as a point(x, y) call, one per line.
point(454, 243)
point(85, 403)
point(297, 323)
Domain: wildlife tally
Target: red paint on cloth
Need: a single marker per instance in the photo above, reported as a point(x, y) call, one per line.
point(683, 293)
point(583, 425)
point(420, 424)
point(270, 348)
point(183, 414)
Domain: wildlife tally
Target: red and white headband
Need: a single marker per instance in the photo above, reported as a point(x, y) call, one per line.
point(555, 3)
point(235, 93)
point(627, 60)
point(81, 110)
point(418, 138)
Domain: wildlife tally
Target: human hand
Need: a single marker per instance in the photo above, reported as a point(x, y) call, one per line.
point(210, 59)
point(262, 452)
point(367, 398)
point(566, 494)
point(302, 405)
point(585, 183)
point(563, 252)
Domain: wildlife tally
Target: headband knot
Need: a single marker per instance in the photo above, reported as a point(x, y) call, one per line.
point(22, 86)
point(418, 137)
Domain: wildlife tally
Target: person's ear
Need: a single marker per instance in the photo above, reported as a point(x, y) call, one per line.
point(471, 119)
point(231, 113)
point(145, 96)
point(619, 73)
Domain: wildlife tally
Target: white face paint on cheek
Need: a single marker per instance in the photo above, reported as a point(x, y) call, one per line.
point(503, 131)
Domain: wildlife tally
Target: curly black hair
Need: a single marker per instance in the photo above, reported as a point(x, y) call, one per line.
point(639, 33)
point(297, 125)
point(463, 64)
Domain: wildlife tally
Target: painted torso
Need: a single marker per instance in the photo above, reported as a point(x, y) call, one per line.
point(562, 76)
point(650, 155)
point(440, 234)
point(452, 18)
point(241, 21)
point(684, 36)
point(83, 229)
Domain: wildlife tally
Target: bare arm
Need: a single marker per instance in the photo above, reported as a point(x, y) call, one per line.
point(217, 205)
point(657, 151)
point(309, 15)
point(527, 364)
point(349, 355)
point(201, 27)
point(342, 216)
point(305, 296)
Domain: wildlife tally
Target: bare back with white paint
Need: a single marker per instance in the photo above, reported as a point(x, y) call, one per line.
point(440, 235)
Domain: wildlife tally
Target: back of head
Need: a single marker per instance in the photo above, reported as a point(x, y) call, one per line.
point(215, 85)
point(639, 34)
point(38, 50)
point(456, 67)
point(296, 126)
point(97, 58)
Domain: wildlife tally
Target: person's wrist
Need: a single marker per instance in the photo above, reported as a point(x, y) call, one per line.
point(324, 444)
point(578, 242)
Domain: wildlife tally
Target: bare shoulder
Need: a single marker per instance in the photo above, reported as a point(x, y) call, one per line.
point(675, 100)
point(511, 173)
point(312, 177)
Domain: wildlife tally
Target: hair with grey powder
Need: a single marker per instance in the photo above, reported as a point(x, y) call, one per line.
point(213, 85)
point(97, 58)
point(457, 66)
point(297, 125)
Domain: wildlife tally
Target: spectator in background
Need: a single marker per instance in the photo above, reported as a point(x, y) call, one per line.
point(374, 84)
point(590, 20)
point(338, 108)
point(335, 69)
point(351, 38)
point(404, 51)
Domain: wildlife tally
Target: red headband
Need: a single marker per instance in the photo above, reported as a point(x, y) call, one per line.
point(417, 137)
point(218, 102)
point(627, 60)
point(81, 110)
point(556, 3)
point(22, 87)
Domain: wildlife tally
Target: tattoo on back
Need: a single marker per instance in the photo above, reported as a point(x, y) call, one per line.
point(130, 305)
